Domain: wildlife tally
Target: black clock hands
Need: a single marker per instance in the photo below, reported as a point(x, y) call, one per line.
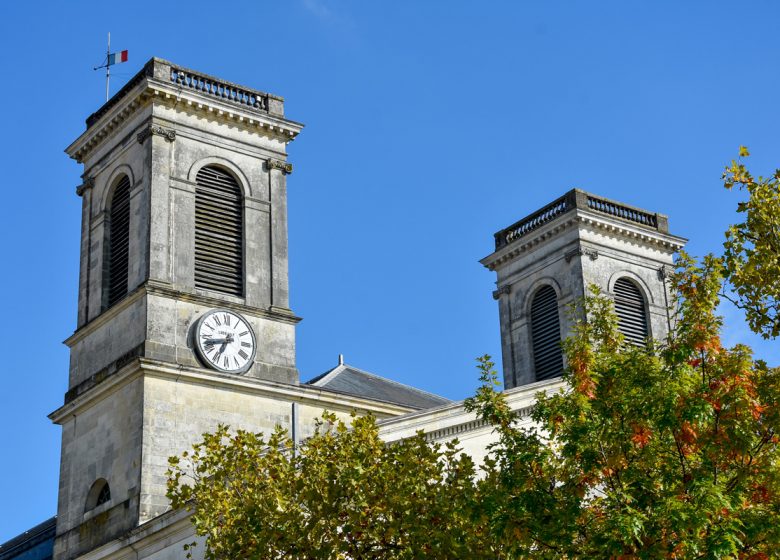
point(227, 340)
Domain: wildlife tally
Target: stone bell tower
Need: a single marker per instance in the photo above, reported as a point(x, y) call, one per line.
point(547, 260)
point(183, 313)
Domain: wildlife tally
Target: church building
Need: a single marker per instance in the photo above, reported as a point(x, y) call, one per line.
point(184, 320)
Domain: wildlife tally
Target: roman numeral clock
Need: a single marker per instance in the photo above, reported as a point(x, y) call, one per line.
point(224, 341)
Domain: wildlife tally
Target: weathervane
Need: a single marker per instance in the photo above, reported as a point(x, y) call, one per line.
point(111, 59)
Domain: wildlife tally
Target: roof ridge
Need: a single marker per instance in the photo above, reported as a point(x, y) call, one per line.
point(330, 373)
point(374, 375)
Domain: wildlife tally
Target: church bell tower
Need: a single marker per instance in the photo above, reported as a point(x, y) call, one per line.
point(547, 260)
point(183, 291)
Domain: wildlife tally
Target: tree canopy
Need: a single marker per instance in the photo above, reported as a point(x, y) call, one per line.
point(668, 451)
point(343, 494)
point(752, 248)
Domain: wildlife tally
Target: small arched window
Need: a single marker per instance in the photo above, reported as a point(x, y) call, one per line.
point(219, 232)
point(631, 312)
point(117, 248)
point(98, 494)
point(546, 334)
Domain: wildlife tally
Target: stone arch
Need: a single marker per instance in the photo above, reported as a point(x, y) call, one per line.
point(99, 494)
point(113, 180)
point(232, 168)
point(532, 289)
point(642, 285)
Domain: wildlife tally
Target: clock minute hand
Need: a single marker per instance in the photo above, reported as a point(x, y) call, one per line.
point(215, 341)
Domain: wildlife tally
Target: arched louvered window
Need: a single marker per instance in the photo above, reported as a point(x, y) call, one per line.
point(219, 232)
point(631, 312)
point(99, 493)
point(117, 248)
point(546, 334)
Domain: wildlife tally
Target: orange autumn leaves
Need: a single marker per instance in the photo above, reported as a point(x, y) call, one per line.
point(663, 451)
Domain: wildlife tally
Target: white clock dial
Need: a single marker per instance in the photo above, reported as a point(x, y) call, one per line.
point(225, 341)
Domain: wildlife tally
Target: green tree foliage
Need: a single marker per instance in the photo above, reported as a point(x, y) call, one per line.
point(657, 452)
point(668, 451)
point(752, 256)
point(344, 494)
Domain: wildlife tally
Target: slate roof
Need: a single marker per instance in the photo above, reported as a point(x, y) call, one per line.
point(34, 544)
point(353, 381)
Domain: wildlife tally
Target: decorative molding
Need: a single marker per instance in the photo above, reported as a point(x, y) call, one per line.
point(156, 287)
point(283, 166)
point(581, 252)
point(104, 373)
point(144, 90)
point(664, 241)
point(153, 129)
point(506, 289)
point(88, 183)
point(472, 426)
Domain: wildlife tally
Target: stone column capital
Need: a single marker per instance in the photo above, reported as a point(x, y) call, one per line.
point(506, 289)
point(153, 129)
point(283, 166)
point(88, 183)
point(581, 252)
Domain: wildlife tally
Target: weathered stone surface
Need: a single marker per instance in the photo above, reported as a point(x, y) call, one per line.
point(577, 247)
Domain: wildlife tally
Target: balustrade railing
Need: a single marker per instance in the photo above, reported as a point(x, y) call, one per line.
point(220, 89)
point(580, 200)
point(621, 211)
point(535, 220)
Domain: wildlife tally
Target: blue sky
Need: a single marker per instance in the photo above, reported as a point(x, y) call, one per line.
point(429, 126)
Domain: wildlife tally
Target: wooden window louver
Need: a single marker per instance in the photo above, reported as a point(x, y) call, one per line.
point(118, 241)
point(630, 311)
point(546, 334)
point(219, 219)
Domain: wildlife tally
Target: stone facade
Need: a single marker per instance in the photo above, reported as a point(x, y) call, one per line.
point(137, 393)
point(574, 242)
point(160, 130)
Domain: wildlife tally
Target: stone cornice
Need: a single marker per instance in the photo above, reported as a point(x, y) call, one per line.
point(303, 394)
point(160, 83)
point(451, 419)
point(580, 218)
point(151, 287)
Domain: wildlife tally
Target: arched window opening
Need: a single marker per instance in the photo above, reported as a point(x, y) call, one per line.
point(546, 334)
point(631, 312)
point(99, 494)
point(219, 225)
point(117, 253)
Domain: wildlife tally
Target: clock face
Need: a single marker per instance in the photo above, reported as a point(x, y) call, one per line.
point(225, 341)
